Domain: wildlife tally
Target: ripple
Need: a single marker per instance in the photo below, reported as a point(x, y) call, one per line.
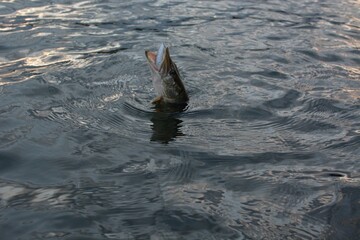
point(182, 173)
point(13, 194)
point(301, 124)
point(328, 57)
point(271, 74)
point(284, 102)
point(322, 105)
point(132, 110)
point(267, 147)
point(351, 144)
point(245, 113)
point(334, 174)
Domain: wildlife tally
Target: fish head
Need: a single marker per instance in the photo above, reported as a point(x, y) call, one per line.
point(166, 76)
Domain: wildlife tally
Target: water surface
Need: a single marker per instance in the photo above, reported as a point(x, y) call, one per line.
point(268, 147)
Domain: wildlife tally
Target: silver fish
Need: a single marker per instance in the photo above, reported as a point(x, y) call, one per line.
point(166, 78)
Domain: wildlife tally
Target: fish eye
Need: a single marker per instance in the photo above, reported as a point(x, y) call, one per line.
point(172, 72)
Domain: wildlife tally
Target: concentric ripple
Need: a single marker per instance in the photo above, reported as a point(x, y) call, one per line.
point(267, 148)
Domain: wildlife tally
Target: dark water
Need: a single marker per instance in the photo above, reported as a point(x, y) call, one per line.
point(268, 147)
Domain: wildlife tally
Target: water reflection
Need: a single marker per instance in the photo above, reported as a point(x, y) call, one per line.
point(166, 123)
point(274, 106)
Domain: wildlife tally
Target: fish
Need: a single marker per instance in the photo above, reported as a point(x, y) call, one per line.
point(166, 78)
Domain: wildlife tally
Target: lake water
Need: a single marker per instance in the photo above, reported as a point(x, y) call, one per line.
point(268, 147)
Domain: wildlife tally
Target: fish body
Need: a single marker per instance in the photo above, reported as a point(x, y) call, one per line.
point(166, 77)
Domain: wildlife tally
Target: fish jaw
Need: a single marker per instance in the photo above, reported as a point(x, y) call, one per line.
point(156, 77)
point(160, 61)
point(151, 58)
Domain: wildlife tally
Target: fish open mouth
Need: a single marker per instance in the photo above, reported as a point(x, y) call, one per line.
point(159, 61)
point(151, 57)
